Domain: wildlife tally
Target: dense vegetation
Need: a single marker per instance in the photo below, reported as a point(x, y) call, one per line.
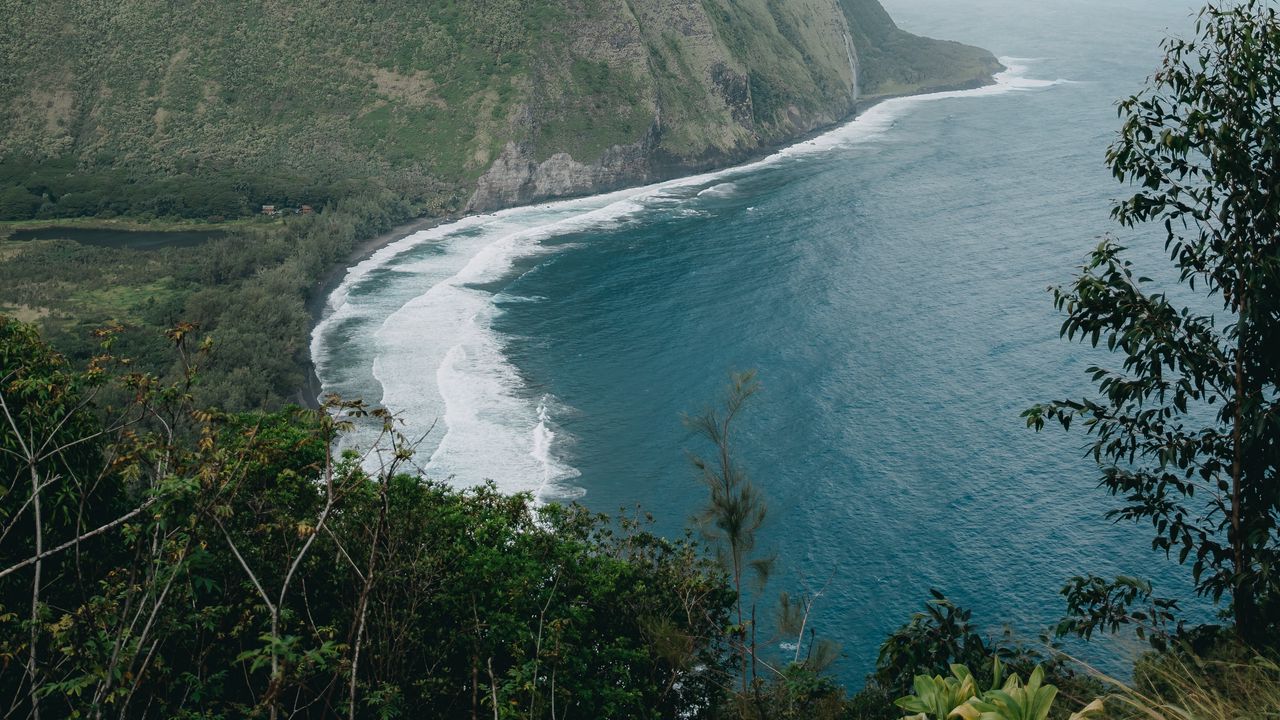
point(188, 563)
point(249, 290)
point(159, 559)
point(198, 110)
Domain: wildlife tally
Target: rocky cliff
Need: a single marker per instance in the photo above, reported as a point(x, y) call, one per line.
point(185, 107)
point(716, 81)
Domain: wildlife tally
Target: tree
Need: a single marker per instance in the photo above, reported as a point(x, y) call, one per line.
point(1187, 431)
point(735, 509)
point(47, 446)
point(17, 203)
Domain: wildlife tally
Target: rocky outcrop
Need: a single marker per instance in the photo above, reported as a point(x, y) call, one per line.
point(516, 179)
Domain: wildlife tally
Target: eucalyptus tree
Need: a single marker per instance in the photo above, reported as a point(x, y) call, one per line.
point(1186, 429)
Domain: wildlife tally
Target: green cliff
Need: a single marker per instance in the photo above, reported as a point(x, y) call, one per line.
point(194, 109)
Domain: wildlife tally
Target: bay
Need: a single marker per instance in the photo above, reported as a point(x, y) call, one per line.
point(888, 283)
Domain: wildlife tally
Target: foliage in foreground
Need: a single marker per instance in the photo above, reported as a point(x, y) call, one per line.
point(943, 635)
point(1184, 686)
point(1186, 432)
point(941, 698)
point(160, 560)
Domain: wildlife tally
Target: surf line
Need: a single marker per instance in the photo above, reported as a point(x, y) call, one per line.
point(492, 428)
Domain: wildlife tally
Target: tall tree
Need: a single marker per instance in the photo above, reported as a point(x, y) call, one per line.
point(1186, 431)
point(735, 509)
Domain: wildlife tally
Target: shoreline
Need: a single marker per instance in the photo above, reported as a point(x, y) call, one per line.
point(318, 299)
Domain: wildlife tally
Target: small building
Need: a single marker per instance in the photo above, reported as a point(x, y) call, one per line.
point(306, 210)
point(268, 209)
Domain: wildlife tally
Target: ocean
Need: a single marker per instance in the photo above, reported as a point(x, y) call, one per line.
point(887, 281)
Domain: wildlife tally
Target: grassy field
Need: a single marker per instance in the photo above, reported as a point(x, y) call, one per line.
point(168, 224)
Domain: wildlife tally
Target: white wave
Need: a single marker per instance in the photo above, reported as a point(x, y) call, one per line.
point(543, 452)
point(435, 353)
point(491, 430)
point(691, 212)
point(504, 298)
point(719, 190)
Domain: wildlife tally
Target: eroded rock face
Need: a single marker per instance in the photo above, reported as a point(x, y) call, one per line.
point(515, 179)
point(691, 103)
point(509, 181)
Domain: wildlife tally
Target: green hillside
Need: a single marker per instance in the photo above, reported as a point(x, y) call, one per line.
point(171, 114)
point(184, 109)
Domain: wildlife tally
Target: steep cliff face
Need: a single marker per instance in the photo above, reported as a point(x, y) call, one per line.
point(716, 80)
point(456, 104)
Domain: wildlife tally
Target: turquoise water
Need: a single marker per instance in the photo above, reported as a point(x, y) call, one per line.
point(887, 281)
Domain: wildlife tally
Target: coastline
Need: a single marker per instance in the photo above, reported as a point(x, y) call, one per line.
point(318, 299)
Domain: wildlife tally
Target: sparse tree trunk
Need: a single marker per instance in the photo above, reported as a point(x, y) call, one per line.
point(363, 606)
point(475, 688)
point(493, 687)
point(32, 663)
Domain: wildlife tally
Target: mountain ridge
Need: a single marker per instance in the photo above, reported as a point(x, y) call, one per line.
point(158, 108)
